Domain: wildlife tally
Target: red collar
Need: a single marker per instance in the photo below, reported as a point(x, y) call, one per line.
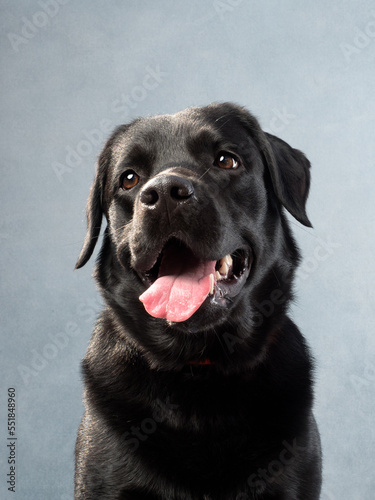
point(201, 362)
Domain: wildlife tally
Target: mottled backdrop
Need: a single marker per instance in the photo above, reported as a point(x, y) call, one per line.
point(70, 72)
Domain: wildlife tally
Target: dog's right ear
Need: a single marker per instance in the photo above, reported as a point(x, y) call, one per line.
point(94, 209)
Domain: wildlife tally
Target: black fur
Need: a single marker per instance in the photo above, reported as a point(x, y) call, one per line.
point(159, 424)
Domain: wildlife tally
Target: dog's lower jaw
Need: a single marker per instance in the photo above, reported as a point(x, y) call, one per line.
point(207, 334)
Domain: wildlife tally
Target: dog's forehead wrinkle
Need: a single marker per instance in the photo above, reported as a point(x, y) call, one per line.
point(126, 148)
point(168, 140)
point(207, 140)
point(173, 138)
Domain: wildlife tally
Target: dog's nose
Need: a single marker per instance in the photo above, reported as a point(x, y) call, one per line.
point(172, 189)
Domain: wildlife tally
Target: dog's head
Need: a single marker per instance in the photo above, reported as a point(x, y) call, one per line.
point(197, 258)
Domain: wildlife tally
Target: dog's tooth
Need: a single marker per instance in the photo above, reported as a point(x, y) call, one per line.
point(212, 284)
point(218, 276)
point(224, 268)
point(228, 259)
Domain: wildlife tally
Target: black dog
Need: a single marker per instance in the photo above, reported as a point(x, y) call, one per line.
point(198, 385)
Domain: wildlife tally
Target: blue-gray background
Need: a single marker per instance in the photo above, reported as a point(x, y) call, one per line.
point(70, 72)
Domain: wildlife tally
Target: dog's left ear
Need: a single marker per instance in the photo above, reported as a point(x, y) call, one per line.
point(94, 208)
point(290, 174)
point(96, 202)
point(94, 213)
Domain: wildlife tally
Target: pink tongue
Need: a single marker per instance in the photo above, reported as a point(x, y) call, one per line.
point(182, 286)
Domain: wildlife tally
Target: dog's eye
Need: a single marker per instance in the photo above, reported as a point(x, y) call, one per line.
point(129, 179)
point(226, 160)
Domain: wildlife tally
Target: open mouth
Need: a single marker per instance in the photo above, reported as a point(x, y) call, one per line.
point(179, 282)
